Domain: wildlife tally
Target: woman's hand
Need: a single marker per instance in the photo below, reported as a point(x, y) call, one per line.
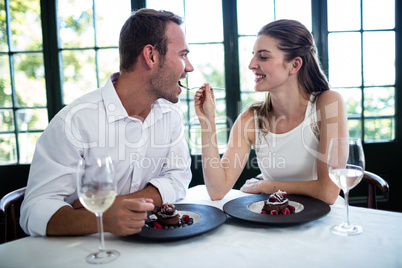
point(204, 103)
point(252, 186)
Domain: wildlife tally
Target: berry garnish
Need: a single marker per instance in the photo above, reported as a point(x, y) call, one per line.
point(285, 211)
point(157, 225)
point(185, 218)
point(273, 212)
point(263, 212)
point(162, 206)
point(291, 208)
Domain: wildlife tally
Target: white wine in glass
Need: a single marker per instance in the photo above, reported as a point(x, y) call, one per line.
point(96, 189)
point(346, 168)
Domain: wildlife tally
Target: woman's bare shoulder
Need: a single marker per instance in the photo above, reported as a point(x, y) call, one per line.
point(329, 97)
point(246, 124)
point(246, 114)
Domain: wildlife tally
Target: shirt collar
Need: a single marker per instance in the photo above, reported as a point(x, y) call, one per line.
point(115, 110)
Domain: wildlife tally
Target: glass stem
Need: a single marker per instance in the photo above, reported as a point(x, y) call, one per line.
point(346, 192)
point(100, 230)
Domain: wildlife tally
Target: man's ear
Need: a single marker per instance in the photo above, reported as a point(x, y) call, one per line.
point(149, 55)
point(296, 65)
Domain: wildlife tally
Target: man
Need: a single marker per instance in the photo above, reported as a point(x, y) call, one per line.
point(133, 120)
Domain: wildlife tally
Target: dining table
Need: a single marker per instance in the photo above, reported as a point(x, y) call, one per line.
point(236, 242)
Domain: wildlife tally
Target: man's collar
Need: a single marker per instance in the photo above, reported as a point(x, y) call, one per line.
point(116, 111)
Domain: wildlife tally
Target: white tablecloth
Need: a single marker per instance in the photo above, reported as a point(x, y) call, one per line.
point(234, 244)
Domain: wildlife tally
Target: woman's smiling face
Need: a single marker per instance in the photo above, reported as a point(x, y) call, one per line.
point(268, 64)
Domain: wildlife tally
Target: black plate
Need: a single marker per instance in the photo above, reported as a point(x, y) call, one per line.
point(210, 218)
point(312, 209)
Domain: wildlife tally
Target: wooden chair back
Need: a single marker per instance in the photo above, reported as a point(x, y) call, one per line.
point(374, 181)
point(7, 207)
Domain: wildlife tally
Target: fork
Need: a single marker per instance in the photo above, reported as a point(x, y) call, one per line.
point(214, 88)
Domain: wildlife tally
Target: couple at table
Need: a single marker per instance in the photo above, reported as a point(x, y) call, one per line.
point(294, 124)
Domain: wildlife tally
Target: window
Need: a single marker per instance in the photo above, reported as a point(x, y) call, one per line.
point(362, 65)
point(43, 69)
point(247, 30)
point(88, 52)
point(89, 37)
point(23, 113)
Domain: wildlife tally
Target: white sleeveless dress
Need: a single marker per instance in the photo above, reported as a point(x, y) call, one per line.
point(290, 156)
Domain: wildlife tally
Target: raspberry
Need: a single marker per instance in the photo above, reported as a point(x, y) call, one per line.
point(291, 208)
point(159, 209)
point(185, 218)
point(157, 225)
point(263, 212)
point(285, 211)
point(273, 212)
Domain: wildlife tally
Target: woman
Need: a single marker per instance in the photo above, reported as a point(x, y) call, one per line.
point(290, 130)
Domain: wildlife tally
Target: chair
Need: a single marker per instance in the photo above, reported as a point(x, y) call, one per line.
point(7, 206)
point(373, 182)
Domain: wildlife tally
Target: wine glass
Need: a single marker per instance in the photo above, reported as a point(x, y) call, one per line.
point(96, 189)
point(346, 167)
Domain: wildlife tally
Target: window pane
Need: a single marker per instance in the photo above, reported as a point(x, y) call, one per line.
point(8, 151)
point(222, 136)
point(248, 95)
point(109, 20)
point(379, 58)
point(343, 15)
point(201, 18)
point(32, 119)
point(27, 142)
point(25, 15)
point(79, 73)
point(353, 101)
point(344, 51)
point(379, 101)
point(76, 23)
point(295, 10)
point(6, 120)
point(175, 6)
point(249, 98)
point(262, 13)
point(5, 85)
point(246, 45)
point(194, 141)
point(378, 14)
point(29, 79)
point(3, 27)
point(220, 108)
point(195, 138)
point(379, 129)
point(355, 128)
point(108, 62)
point(208, 63)
point(187, 108)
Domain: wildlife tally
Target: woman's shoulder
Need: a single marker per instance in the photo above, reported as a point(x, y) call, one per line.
point(245, 123)
point(329, 97)
point(248, 113)
point(246, 117)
